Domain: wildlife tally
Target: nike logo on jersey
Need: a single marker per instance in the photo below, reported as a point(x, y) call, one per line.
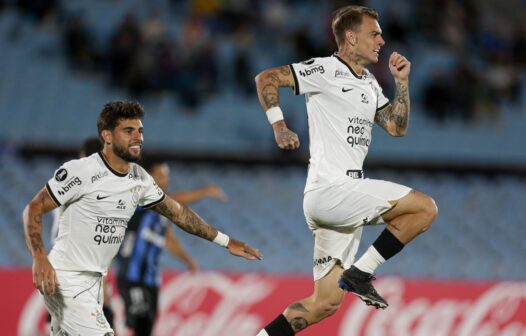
point(346, 90)
point(99, 197)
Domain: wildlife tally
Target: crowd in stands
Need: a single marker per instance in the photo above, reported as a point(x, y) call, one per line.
point(221, 44)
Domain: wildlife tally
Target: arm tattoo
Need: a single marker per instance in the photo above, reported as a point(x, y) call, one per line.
point(269, 83)
point(33, 224)
point(397, 114)
point(186, 219)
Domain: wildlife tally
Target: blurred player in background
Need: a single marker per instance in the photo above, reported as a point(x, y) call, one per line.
point(100, 194)
point(343, 101)
point(139, 277)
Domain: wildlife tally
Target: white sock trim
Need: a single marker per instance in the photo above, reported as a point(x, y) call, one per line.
point(370, 260)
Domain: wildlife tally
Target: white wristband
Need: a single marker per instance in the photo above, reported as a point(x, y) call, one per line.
point(274, 114)
point(221, 239)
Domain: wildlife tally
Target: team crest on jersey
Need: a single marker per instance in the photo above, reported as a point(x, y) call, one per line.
point(61, 175)
point(135, 191)
point(364, 99)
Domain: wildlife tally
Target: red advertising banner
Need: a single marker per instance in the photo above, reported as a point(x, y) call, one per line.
point(219, 304)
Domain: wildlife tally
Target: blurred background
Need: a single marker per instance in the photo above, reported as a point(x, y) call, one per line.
point(192, 63)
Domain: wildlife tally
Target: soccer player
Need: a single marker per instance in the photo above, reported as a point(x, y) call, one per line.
point(90, 146)
point(148, 234)
point(100, 194)
point(343, 101)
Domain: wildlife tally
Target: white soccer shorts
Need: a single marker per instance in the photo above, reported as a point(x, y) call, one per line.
point(336, 214)
point(77, 307)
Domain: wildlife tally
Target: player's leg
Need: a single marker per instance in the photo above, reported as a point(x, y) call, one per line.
point(407, 217)
point(410, 216)
point(76, 307)
point(324, 301)
point(139, 307)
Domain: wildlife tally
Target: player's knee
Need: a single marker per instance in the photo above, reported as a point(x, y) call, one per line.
point(430, 211)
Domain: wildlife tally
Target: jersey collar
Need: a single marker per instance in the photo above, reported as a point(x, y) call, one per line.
point(349, 67)
point(109, 167)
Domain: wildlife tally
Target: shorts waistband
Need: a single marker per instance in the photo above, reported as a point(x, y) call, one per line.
point(355, 174)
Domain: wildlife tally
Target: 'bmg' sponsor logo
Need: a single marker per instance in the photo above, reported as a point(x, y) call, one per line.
point(312, 70)
point(69, 185)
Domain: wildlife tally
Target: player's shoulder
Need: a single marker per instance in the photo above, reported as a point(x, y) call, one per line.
point(315, 62)
point(78, 167)
point(138, 173)
point(320, 66)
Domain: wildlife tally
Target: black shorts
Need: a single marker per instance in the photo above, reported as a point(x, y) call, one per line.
point(140, 302)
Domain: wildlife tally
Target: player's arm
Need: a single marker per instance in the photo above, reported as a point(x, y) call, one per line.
point(394, 118)
point(44, 278)
point(190, 222)
point(176, 249)
point(190, 196)
point(268, 83)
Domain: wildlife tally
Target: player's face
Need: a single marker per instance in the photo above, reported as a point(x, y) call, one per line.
point(127, 139)
point(161, 175)
point(369, 40)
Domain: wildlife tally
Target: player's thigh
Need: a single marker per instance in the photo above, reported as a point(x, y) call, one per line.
point(350, 203)
point(412, 203)
point(75, 307)
point(332, 247)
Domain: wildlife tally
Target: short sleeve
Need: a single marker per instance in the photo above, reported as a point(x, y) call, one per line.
point(152, 194)
point(382, 101)
point(68, 183)
point(309, 76)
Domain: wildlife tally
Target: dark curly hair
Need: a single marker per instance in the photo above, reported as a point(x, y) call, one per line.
point(349, 18)
point(114, 111)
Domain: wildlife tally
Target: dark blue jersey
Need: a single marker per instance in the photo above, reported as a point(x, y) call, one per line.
point(139, 254)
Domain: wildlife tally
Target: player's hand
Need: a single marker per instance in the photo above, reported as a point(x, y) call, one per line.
point(285, 138)
point(399, 66)
point(44, 276)
point(241, 249)
point(216, 192)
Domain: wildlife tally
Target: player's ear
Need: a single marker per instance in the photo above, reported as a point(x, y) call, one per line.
point(106, 135)
point(350, 37)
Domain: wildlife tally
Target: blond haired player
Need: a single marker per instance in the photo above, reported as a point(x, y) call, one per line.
point(344, 100)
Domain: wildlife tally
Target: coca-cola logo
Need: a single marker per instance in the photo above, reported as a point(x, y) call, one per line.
point(217, 304)
point(499, 310)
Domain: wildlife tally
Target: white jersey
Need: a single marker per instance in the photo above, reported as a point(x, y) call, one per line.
point(341, 107)
point(97, 204)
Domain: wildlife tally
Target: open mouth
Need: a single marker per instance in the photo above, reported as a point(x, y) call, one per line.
point(136, 148)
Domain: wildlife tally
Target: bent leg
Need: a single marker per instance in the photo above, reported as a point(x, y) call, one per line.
point(410, 216)
point(324, 302)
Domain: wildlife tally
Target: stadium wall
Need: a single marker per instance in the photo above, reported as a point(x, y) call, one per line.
point(217, 304)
